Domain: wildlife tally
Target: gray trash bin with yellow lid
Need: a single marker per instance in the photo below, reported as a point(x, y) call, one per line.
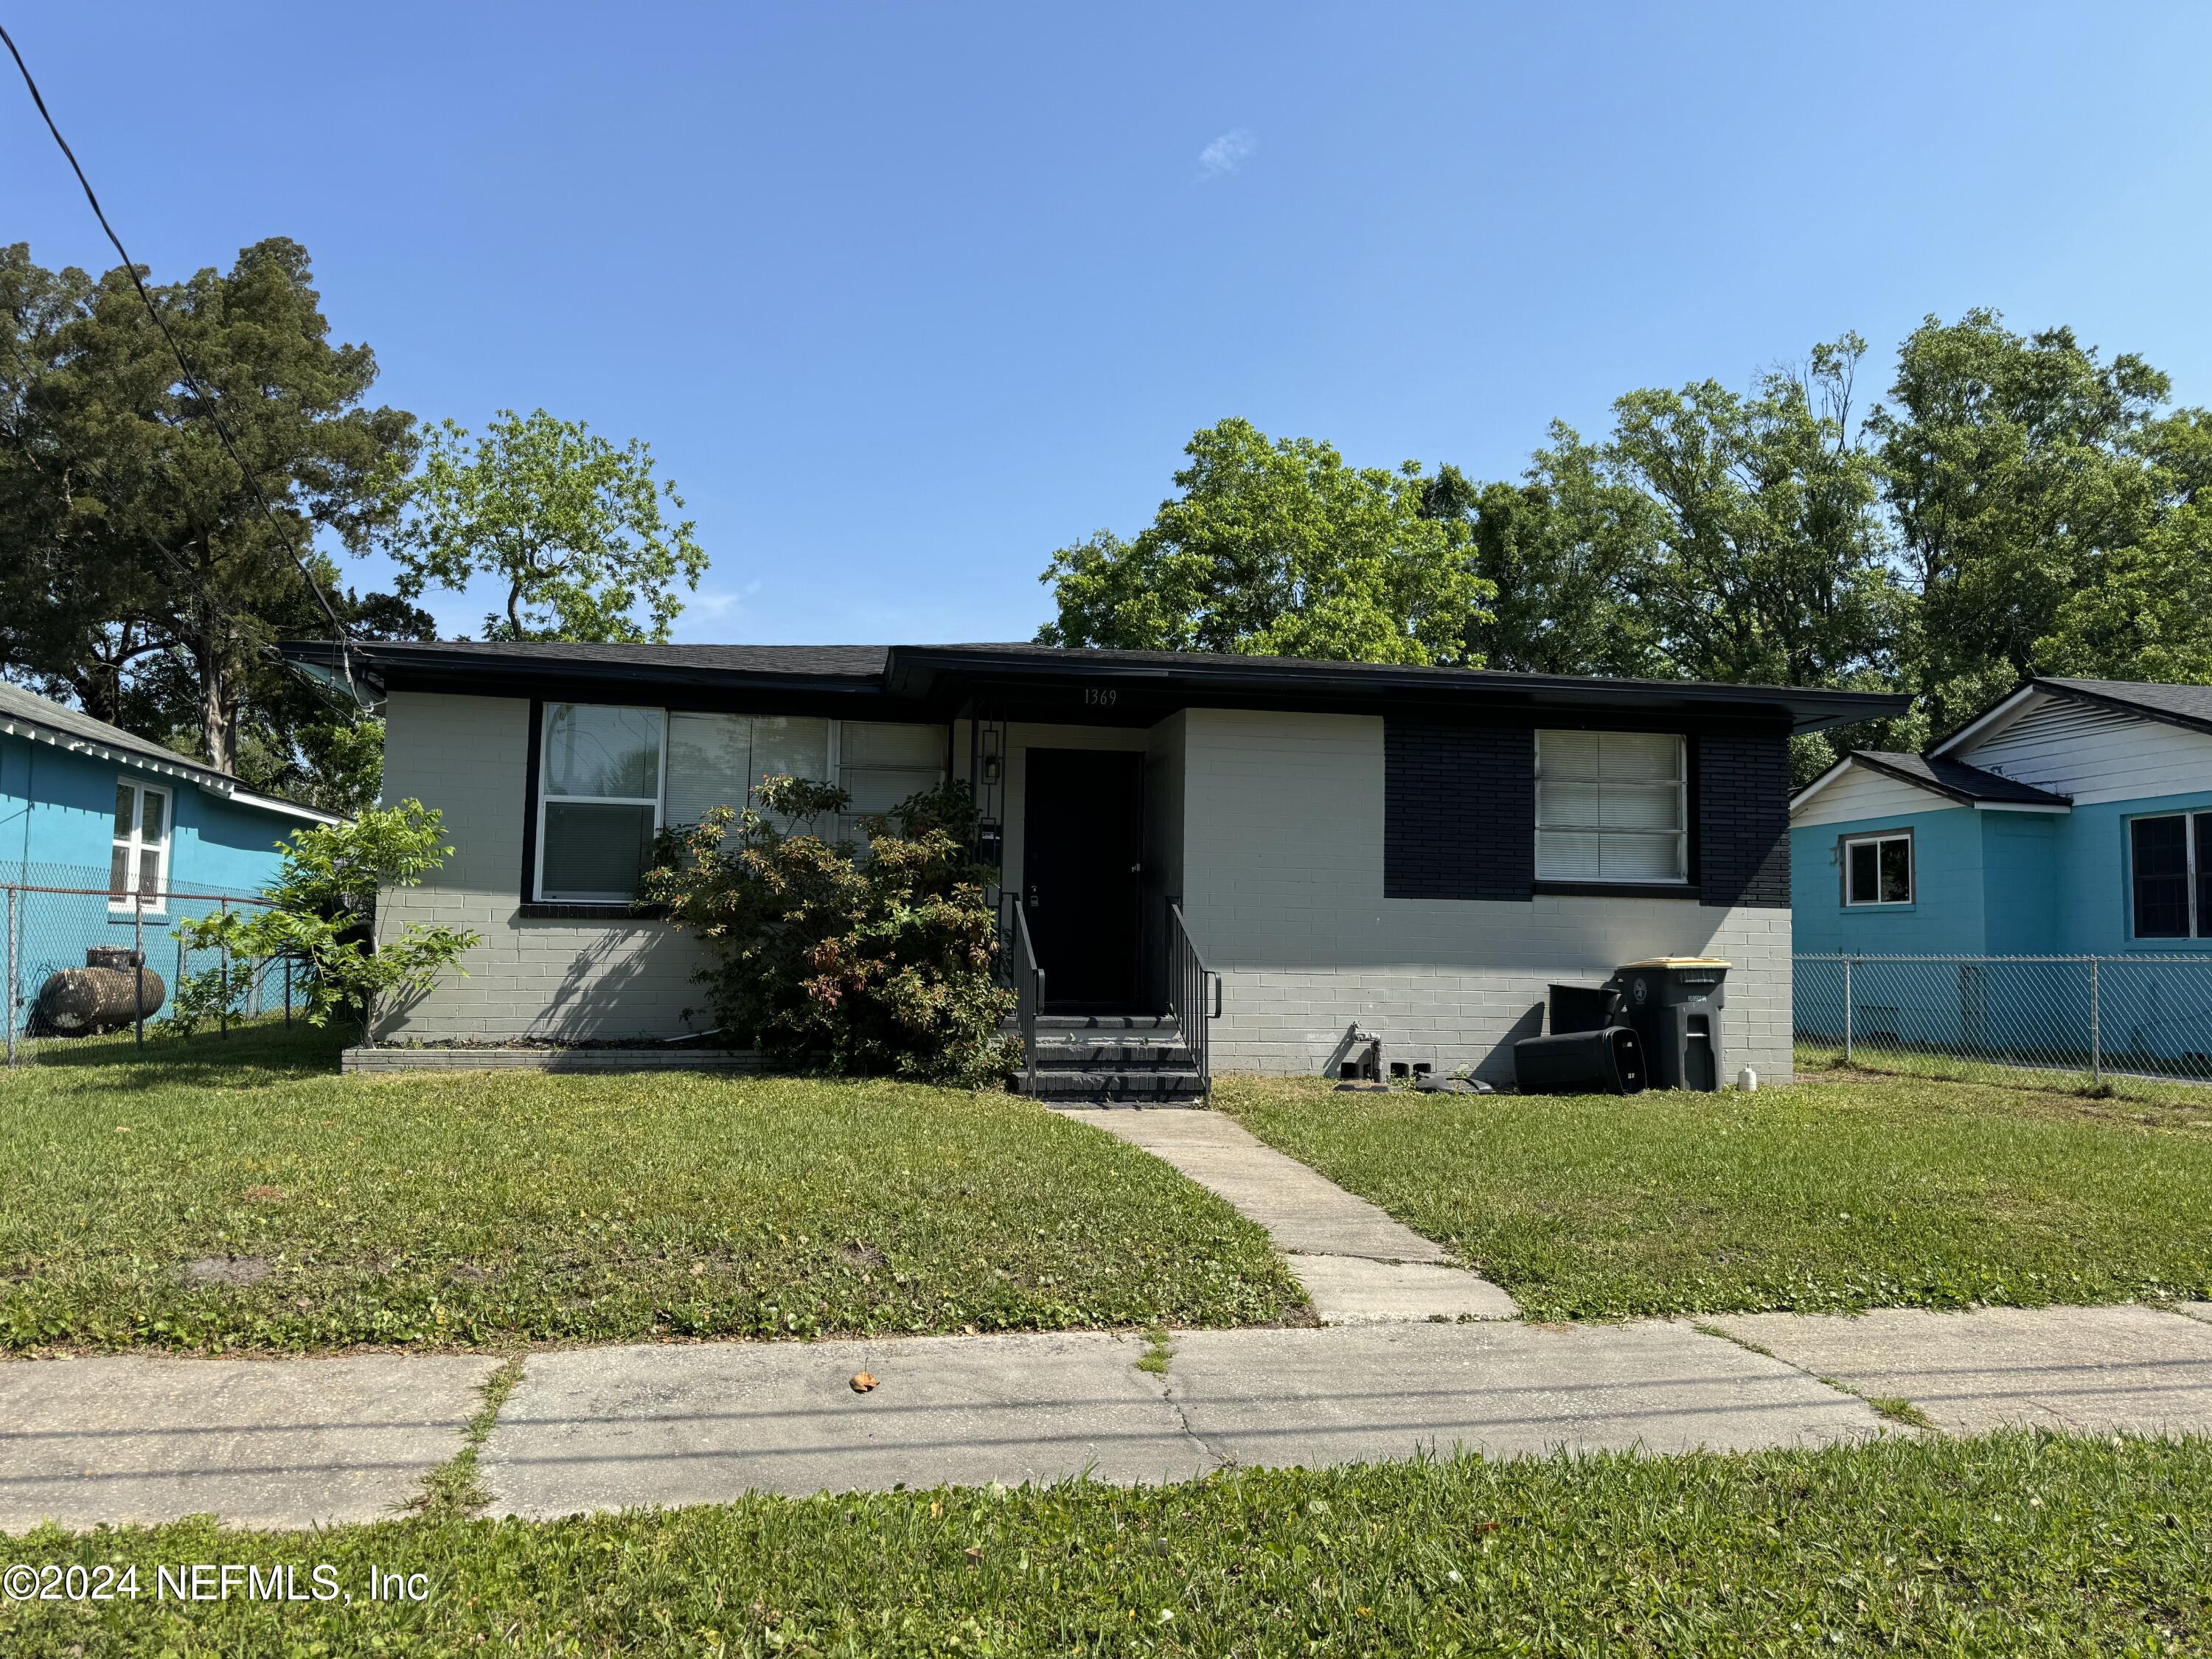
point(1673, 1005)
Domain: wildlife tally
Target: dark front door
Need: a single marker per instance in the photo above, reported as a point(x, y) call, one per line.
point(1082, 853)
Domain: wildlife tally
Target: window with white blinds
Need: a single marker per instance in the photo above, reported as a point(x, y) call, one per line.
point(719, 760)
point(881, 765)
point(611, 777)
point(1611, 806)
point(598, 799)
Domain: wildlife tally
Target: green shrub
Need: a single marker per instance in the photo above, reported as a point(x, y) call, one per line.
point(878, 962)
point(320, 913)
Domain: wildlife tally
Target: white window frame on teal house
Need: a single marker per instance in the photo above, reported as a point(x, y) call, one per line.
point(2197, 864)
point(128, 844)
point(1877, 840)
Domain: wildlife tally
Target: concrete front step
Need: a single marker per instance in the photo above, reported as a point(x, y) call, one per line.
point(1118, 1085)
point(1114, 1057)
point(1104, 1023)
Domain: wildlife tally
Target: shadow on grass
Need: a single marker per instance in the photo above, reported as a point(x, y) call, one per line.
point(266, 1046)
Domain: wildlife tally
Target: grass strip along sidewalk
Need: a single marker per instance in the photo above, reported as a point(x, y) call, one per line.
point(2018, 1545)
point(1820, 1197)
point(236, 1194)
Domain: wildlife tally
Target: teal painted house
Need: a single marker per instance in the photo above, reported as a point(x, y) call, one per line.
point(154, 836)
point(2074, 819)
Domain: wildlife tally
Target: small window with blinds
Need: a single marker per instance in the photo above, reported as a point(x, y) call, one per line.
point(1611, 806)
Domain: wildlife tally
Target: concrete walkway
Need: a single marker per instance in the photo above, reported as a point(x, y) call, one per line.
point(298, 1443)
point(262, 1443)
point(1357, 1264)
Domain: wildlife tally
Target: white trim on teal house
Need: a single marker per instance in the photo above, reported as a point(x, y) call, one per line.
point(2022, 830)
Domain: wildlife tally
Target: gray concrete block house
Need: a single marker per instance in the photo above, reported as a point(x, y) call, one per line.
point(1412, 853)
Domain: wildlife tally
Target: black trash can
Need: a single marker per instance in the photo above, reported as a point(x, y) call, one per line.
point(1586, 1007)
point(1674, 1005)
point(1602, 1062)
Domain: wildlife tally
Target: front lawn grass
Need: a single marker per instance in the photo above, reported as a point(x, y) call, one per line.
point(2017, 1545)
point(235, 1194)
point(1828, 1197)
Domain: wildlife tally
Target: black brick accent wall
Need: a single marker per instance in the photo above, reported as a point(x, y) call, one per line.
point(1743, 821)
point(1459, 811)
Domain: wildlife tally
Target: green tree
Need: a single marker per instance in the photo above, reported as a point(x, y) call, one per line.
point(1772, 564)
point(322, 911)
point(1569, 552)
point(137, 570)
point(571, 524)
point(1277, 548)
point(2016, 471)
point(2142, 610)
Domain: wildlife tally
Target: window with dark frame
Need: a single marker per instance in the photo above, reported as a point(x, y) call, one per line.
point(1612, 806)
point(610, 778)
point(2169, 883)
point(1878, 871)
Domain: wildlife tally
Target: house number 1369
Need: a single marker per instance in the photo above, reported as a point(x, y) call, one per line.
point(1099, 697)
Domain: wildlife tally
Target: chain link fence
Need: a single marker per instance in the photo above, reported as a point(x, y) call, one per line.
point(77, 960)
point(2131, 1024)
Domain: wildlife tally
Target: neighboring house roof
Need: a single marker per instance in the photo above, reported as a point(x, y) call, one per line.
point(1969, 786)
point(2187, 706)
point(939, 679)
point(26, 714)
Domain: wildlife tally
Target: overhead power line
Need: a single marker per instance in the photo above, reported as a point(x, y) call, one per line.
point(193, 382)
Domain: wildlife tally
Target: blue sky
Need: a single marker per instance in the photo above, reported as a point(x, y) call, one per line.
point(906, 297)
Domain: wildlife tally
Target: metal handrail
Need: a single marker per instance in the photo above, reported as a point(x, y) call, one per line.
point(1194, 996)
point(1029, 992)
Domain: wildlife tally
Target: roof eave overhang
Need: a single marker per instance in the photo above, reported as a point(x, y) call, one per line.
point(1998, 714)
point(948, 676)
point(16, 725)
point(945, 680)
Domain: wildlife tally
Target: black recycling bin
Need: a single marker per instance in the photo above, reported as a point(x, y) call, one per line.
point(1586, 1007)
point(1602, 1062)
point(1674, 1005)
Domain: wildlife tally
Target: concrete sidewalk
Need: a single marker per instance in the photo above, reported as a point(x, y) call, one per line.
point(297, 1443)
point(262, 1443)
point(1357, 1264)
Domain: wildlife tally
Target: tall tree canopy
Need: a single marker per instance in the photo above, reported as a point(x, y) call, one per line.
point(139, 572)
point(1569, 550)
point(1277, 548)
point(570, 525)
point(2021, 473)
point(2016, 505)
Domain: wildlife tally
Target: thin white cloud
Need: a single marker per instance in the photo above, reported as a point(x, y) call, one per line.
point(1226, 154)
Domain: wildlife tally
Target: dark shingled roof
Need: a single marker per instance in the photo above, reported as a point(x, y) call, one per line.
point(859, 662)
point(1955, 779)
point(936, 677)
point(2183, 705)
point(16, 703)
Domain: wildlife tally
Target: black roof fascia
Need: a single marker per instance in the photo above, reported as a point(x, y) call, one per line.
point(476, 673)
point(940, 681)
point(928, 672)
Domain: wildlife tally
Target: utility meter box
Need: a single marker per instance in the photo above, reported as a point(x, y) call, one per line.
point(1673, 1005)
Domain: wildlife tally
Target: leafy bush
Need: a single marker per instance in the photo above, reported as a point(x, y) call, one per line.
point(320, 913)
point(879, 962)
